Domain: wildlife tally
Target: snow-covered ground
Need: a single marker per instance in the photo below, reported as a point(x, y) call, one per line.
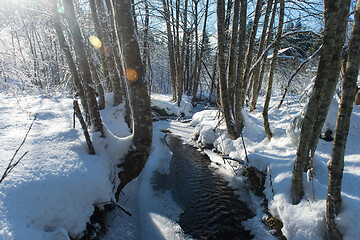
point(52, 191)
point(307, 219)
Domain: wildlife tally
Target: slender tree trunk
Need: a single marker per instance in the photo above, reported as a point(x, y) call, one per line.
point(256, 71)
point(181, 52)
point(231, 67)
point(69, 60)
point(222, 68)
point(249, 54)
point(331, 13)
point(98, 85)
point(80, 51)
point(238, 105)
point(272, 71)
point(99, 34)
point(336, 164)
point(137, 156)
point(170, 48)
point(196, 74)
point(202, 47)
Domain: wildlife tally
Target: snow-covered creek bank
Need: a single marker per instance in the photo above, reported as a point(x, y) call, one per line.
point(179, 195)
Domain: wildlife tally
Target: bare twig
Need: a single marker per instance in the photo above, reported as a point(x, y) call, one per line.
point(123, 209)
point(12, 165)
point(83, 125)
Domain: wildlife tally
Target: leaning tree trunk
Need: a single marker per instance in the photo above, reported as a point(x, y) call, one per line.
point(69, 60)
point(332, 78)
point(336, 164)
point(325, 64)
point(272, 71)
point(137, 156)
point(80, 51)
point(222, 68)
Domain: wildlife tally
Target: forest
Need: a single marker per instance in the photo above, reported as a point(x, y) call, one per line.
point(179, 119)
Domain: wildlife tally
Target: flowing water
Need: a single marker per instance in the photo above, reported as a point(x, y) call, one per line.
point(211, 209)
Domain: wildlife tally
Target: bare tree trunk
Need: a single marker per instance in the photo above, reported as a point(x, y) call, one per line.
point(181, 51)
point(137, 156)
point(79, 46)
point(231, 66)
point(256, 71)
point(196, 74)
point(99, 34)
point(97, 83)
point(222, 68)
point(69, 60)
point(268, 40)
point(272, 71)
point(249, 54)
point(336, 164)
point(170, 47)
point(238, 104)
point(357, 97)
point(333, 76)
point(202, 47)
point(331, 12)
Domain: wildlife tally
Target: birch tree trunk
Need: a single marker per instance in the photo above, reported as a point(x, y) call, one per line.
point(331, 13)
point(333, 76)
point(336, 164)
point(137, 156)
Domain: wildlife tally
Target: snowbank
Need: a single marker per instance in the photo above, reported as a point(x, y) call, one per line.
point(307, 219)
point(52, 191)
point(162, 101)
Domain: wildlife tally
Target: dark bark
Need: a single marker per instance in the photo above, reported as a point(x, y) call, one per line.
point(222, 68)
point(231, 66)
point(137, 156)
point(84, 127)
point(80, 51)
point(99, 34)
point(99, 88)
point(69, 60)
point(240, 68)
point(170, 48)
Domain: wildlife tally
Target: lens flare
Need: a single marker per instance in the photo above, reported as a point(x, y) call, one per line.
point(95, 41)
point(60, 9)
point(131, 74)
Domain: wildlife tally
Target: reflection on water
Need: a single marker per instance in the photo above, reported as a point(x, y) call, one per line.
point(211, 209)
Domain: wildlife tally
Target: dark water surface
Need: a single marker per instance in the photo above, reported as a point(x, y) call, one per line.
point(211, 209)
